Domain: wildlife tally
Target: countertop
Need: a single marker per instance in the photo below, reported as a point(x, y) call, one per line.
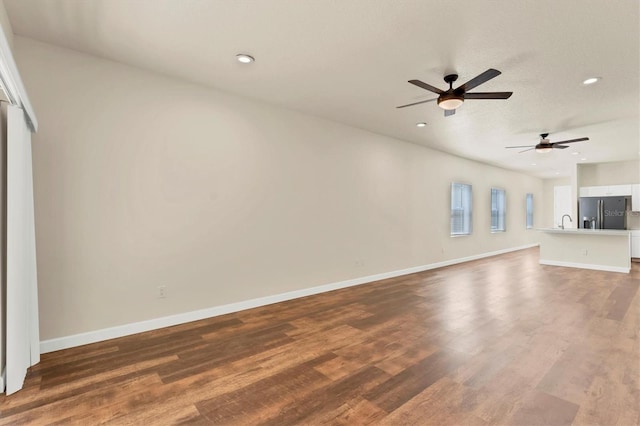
point(580, 231)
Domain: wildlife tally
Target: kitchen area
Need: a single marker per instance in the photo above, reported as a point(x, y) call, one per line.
point(596, 218)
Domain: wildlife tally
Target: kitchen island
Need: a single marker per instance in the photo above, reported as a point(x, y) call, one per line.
point(599, 249)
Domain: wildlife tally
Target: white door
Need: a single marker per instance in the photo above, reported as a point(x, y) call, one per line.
point(562, 205)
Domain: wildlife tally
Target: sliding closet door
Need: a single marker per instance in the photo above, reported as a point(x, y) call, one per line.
point(22, 294)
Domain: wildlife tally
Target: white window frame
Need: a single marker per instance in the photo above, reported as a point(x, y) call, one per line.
point(529, 211)
point(461, 209)
point(498, 210)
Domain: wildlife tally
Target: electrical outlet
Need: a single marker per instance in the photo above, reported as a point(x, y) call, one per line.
point(162, 292)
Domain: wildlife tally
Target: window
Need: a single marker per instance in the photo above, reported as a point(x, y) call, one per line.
point(498, 210)
point(460, 209)
point(529, 211)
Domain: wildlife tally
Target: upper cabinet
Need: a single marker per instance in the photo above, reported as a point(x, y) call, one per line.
point(613, 191)
point(593, 191)
point(606, 191)
point(586, 191)
point(616, 190)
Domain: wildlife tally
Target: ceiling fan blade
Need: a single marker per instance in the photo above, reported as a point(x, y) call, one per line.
point(571, 141)
point(553, 145)
point(521, 146)
point(448, 112)
point(426, 86)
point(488, 95)
point(417, 103)
point(477, 81)
point(532, 148)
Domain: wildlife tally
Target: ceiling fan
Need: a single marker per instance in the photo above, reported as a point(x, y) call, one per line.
point(451, 98)
point(546, 146)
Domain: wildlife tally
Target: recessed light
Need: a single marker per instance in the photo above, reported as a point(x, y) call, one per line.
point(421, 124)
point(591, 80)
point(583, 159)
point(244, 58)
point(575, 153)
point(533, 164)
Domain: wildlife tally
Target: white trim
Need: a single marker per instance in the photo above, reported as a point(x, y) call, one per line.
point(139, 327)
point(2, 380)
point(11, 82)
point(607, 268)
point(21, 322)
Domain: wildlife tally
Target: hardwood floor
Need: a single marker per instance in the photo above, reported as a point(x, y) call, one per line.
point(501, 340)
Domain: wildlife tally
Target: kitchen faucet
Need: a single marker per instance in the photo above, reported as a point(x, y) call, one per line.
point(562, 224)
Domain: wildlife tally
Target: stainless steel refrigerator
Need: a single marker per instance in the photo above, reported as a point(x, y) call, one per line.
point(606, 212)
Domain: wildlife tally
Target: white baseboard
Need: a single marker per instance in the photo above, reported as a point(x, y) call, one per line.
point(586, 266)
point(153, 324)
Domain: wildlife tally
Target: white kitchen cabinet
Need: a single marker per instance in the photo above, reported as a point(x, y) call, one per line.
point(618, 190)
point(594, 191)
point(605, 191)
point(635, 246)
point(598, 191)
point(635, 197)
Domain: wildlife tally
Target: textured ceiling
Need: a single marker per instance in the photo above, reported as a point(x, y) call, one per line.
point(349, 61)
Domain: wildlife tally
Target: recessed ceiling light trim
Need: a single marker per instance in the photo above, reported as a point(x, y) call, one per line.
point(591, 80)
point(421, 124)
point(244, 58)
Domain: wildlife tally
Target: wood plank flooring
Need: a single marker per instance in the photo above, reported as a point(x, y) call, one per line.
point(501, 340)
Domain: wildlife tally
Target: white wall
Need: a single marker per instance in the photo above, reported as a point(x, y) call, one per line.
point(613, 173)
point(143, 180)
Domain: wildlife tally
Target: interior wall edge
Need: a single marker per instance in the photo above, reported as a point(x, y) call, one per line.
point(66, 342)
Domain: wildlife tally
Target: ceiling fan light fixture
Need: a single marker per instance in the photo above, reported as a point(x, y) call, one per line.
point(451, 98)
point(449, 102)
point(543, 149)
point(545, 146)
